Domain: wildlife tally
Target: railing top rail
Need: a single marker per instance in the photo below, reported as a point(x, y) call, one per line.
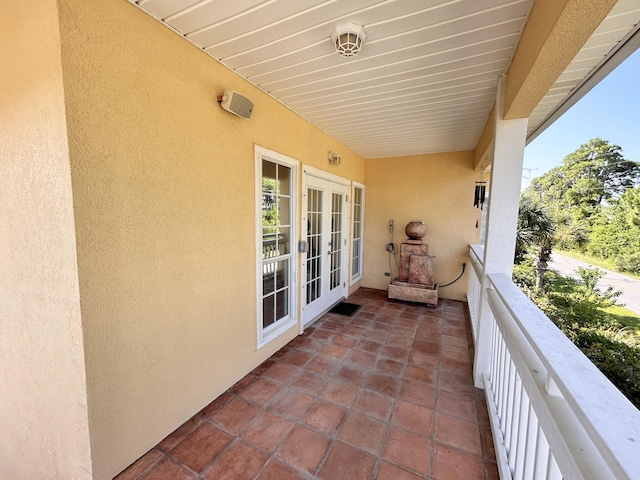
point(476, 255)
point(477, 250)
point(607, 416)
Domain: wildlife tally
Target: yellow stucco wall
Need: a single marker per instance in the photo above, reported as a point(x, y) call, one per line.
point(163, 188)
point(159, 306)
point(43, 419)
point(437, 189)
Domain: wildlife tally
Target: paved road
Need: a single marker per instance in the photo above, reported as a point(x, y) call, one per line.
point(630, 287)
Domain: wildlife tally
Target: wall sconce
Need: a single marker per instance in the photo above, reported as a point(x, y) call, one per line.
point(334, 159)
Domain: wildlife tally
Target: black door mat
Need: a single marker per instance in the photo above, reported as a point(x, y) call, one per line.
point(346, 309)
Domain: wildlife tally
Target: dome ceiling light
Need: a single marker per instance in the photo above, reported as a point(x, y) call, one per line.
point(348, 39)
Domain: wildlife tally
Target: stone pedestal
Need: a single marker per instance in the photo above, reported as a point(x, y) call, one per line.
point(411, 292)
point(421, 269)
point(406, 251)
point(415, 279)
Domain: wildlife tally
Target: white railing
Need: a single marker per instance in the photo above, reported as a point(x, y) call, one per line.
point(554, 415)
point(473, 297)
point(271, 245)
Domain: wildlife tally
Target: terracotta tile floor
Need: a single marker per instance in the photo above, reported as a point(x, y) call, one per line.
point(384, 394)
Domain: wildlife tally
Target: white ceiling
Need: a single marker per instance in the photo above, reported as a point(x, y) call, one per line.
point(424, 81)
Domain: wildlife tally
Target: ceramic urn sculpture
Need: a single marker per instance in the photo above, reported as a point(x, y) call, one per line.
point(415, 230)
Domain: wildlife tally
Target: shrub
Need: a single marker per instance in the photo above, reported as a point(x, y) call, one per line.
point(628, 263)
point(524, 274)
point(581, 306)
point(619, 362)
point(576, 307)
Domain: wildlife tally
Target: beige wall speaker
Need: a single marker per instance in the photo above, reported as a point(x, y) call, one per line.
point(237, 104)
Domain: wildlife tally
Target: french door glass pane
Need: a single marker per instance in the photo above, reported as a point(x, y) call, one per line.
point(355, 261)
point(336, 239)
point(314, 237)
point(356, 248)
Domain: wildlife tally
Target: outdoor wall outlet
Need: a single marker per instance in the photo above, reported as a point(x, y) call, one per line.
point(387, 274)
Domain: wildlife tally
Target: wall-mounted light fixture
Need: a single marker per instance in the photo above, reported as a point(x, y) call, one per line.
point(348, 39)
point(334, 159)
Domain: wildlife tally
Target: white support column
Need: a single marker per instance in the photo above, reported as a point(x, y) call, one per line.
point(502, 217)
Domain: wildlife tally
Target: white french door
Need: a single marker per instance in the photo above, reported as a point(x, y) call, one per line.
point(325, 226)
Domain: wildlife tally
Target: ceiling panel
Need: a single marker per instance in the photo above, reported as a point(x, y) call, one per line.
point(205, 14)
point(424, 81)
point(409, 98)
point(432, 73)
point(424, 45)
point(408, 87)
point(254, 24)
point(381, 70)
point(163, 8)
point(304, 27)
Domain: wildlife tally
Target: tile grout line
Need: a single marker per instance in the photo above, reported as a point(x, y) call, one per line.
point(388, 326)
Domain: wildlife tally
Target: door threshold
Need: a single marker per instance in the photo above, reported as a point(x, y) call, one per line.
point(317, 317)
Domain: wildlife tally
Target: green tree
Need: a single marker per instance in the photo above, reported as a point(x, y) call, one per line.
point(536, 230)
point(616, 232)
point(628, 207)
point(570, 233)
point(269, 202)
point(589, 178)
point(599, 172)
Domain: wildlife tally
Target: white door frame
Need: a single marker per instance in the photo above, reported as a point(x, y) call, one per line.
point(309, 171)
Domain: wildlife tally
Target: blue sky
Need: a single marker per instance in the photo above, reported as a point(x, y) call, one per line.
point(611, 111)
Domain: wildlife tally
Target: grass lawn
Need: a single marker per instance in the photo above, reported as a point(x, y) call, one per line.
point(559, 283)
point(623, 315)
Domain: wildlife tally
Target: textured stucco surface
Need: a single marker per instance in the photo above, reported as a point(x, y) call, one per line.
point(162, 195)
point(43, 413)
point(163, 191)
point(437, 189)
